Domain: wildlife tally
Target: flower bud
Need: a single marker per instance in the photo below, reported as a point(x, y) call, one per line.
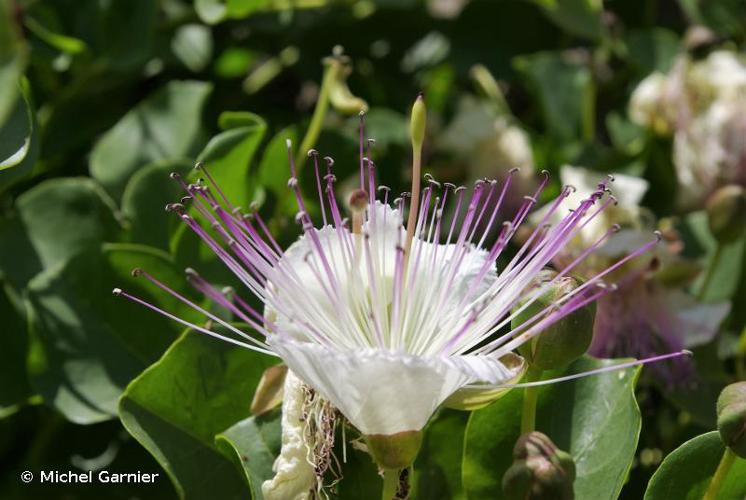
point(726, 212)
point(540, 470)
point(394, 451)
point(418, 122)
point(565, 340)
point(731, 409)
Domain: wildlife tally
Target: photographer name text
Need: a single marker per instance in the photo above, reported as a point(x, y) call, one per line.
point(102, 476)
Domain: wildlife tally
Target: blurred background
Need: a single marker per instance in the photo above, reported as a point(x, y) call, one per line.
point(101, 99)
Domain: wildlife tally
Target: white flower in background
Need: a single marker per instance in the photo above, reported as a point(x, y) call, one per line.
point(721, 75)
point(386, 319)
point(647, 102)
point(646, 315)
point(703, 104)
point(295, 478)
point(712, 152)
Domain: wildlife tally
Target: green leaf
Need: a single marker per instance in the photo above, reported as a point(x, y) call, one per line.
point(165, 126)
point(252, 445)
point(125, 31)
point(227, 158)
point(55, 220)
point(438, 465)
point(595, 419)
point(144, 201)
point(14, 384)
point(87, 344)
point(685, 474)
point(19, 143)
point(199, 388)
point(273, 171)
point(210, 11)
point(652, 49)
point(192, 45)
point(579, 17)
point(725, 270)
point(726, 17)
point(12, 60)
point(565, 92)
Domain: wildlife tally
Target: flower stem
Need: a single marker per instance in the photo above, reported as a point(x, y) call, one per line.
point(319, 112)
point(390, 484)
point(720, 474)
point(701, 295)
point(530, 397)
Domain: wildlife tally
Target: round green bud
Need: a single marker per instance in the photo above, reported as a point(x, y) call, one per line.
point(540, 470)
point(731, 409)
point(726, 213)
point(394, 451)
point(565, 340)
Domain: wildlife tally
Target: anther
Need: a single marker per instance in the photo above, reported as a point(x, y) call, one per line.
point(312, 153)
point(174, 176)
point(116, 292)
point(658, 235)
point(137, 272)
point(358, 200)
point(292, 182)
point(615, 228)
point(199, 166)
point(185, 199)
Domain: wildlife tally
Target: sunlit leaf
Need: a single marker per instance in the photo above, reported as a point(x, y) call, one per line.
point(87, 344)
point(198, 389)
point(595, 419)
point(687, 471)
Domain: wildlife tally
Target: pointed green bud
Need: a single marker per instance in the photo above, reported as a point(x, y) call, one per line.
point(726, 213)
point(540, 470)
point(731, 409)
point(564, 341)
point(394, 451)
point(418, 122)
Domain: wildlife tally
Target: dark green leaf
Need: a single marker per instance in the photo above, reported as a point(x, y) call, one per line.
point(87, 344)
point(12, 60)
point(652, 50)
point(199, 388)
point(565, 92)
point(19, 144)
point(438, 466)
point(55, 220)
point(14, 384)
point(579, 17)
point(227, 158)
point(595, 419)
point(165, 126)
point(252, 444)
point(144, 201)
point(687, 471)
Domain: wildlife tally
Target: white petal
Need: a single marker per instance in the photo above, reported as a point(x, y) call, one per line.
point(294, 475)
point(698, 323)
point(383, 392)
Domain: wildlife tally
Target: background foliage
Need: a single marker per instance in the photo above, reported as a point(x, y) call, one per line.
point(101, 99)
